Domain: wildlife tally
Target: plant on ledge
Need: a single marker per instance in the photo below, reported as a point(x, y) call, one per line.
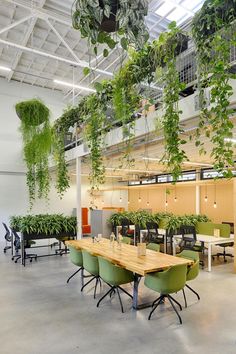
point(214, 34)
point(97, 19)
point(37, 141)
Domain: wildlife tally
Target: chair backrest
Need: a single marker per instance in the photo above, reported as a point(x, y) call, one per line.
point(113, 274)
point(8, 233)
point(207, 228)
point(193, 270)
point(90, 263)
point(126, 240)
point(153, 246)
point(169, 281)
point(152, 227)
point(189, 237)
point(17, 239)
point(76, 256)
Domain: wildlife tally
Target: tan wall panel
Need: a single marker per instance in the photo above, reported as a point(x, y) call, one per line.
point(185, 203)
point(224, 200)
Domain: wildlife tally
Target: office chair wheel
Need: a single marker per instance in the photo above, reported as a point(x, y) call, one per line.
point(4, 250)
point(225, 260)
point(12, 258)
point(16, 261)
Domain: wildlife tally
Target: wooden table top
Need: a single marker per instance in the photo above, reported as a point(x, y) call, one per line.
point(127, 256)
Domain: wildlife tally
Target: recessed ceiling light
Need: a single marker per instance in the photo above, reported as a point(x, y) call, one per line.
point(68, 84)
point(4, 68)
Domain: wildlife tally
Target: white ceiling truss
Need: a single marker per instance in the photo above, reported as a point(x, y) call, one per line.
point(38, 43)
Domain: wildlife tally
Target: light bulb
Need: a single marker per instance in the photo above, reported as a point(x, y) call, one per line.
point(166, 203)
point(128, 201)
point(139, 200)
point(205, 198)
point(120, 200)
point(175, 199)
point(148, 203)
point(215, 205)
point(102, 201)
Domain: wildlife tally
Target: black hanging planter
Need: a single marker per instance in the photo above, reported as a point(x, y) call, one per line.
point(109, 24)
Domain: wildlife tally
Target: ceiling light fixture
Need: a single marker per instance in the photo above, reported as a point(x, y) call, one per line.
point(215, 205)
point(4, 68)
point(68, 84)
point(139, 196)
point(184, 163)
point(129, 170)
point(206, 198)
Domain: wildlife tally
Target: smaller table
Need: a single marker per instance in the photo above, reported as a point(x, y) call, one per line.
point(206, 239)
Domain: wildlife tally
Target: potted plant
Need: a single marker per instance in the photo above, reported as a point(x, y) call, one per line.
point(96, 19)
point(32, 112)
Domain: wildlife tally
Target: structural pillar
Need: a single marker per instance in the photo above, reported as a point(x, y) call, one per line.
point(197, 207)
point(78, 198)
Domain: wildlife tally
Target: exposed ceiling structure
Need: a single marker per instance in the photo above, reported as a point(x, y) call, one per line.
point(39, 45)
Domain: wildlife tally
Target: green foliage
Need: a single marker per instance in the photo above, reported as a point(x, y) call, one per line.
point(88, 17)
point(214, 34)
point(37, 141)
point(54, 224)
point(168, 220)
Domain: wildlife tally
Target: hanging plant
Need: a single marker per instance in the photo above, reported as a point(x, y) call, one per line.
point(167, 47)
point(97, 19)
point(213, 35)
point(94, 136)
point(37, 141)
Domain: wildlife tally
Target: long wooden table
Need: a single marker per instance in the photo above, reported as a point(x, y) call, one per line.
point(127, 257)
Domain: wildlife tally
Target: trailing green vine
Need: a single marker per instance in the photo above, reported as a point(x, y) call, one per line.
point(213, 36)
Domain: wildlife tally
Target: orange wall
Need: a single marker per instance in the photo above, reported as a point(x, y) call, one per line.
point(186, 200)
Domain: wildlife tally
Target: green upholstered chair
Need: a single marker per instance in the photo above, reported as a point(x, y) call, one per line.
point(126, 240)
point(77, 259)
point(90, 264)
point(167, 282)
point(114, 276)
point(153, 246)
point(192, 270)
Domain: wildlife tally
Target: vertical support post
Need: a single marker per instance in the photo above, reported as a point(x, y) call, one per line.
point(234, 211)
point(197, 207)
point(78, 197)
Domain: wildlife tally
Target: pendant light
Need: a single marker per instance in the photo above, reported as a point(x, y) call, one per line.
point(139, 196)
point(120, 197)
point(166, 201)
point(175, 199)
point(205, 198)
point(148, 203)
point(215, 204)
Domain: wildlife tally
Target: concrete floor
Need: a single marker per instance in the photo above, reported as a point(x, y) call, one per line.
point(40, 313)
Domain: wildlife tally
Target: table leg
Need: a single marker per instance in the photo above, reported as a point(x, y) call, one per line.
point(165, 243)
point(82, 276)
point(135, 292)
point(22, 250)
point(174, 248)
point(209, 257)
point(12, 244)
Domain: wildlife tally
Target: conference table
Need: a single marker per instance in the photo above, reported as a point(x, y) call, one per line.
point(206, 240)
point(127, 257)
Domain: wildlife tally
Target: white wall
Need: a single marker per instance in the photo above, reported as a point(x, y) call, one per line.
point(13, 191)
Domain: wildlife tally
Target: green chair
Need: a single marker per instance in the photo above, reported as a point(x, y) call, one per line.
point(153, 246)
point(77, 259)
point(90, 264)
point(167, 282)
point(63, 239)
point(114, 276)
point(126, 240)
point(192, 270)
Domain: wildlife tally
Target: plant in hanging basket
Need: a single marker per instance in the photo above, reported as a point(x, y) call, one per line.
point(32, 112)
point(98, 19)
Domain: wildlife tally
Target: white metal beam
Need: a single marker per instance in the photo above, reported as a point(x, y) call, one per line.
point(16, 23)
point(26, 38)
point(55, 57)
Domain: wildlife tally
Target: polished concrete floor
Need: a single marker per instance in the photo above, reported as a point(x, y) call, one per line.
point(41, 314)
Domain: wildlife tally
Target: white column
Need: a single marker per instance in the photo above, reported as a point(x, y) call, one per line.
point(197, 207)
point(78, 197)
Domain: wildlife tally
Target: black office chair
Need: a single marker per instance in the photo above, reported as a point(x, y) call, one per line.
point(189, 241)
point(7, 237)
point(153, 235)
point(224, 253)
point(17, 246)
point(125, 229)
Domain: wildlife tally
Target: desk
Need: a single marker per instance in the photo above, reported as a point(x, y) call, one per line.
point(127, 258)
point(206, 239)
point(28, 237)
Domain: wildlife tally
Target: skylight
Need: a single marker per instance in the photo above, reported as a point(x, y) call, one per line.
point(179, 11)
